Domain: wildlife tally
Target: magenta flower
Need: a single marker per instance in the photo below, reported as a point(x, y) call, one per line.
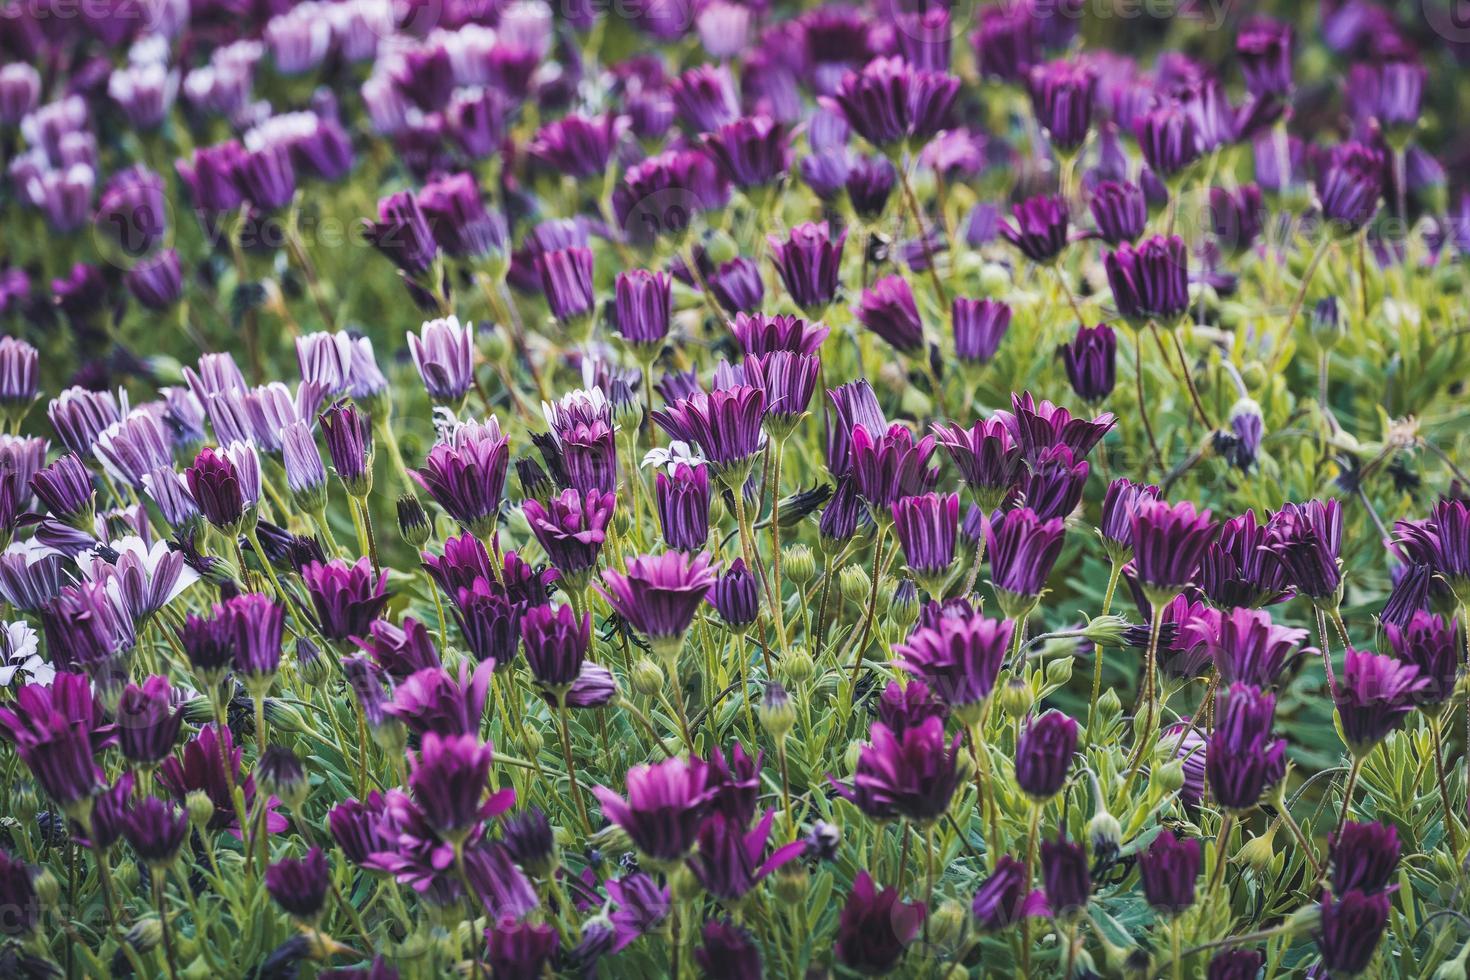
point(958, 657)
point(659, 594)
point(571, 528)
point(912, 775)
point(665, 805)
point(1373, 695)
point(347, 598)
point(465, 474)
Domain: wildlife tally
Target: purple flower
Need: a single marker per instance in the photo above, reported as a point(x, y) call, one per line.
point(665, 805)
point(912, 775)
point(889, 102)
point(979, 325)
point(759, 335)
point(736, 596)
point(751, 151)
point(1054, 486)
point(1364, 856)
point(1044, 754)
point(1022, 549)
point(642, 300)
point(1002, 899)
point(1150, 282)
point(65, 487)
point(1373, 695)
point(809, 262)
point(1006, 44)
point(347, 598)
point(465, 474)
point(1263, 49)
point(927, 527)
point(1168, 869)
point(663, 194)
point(156, 829)
point(432, 701)
point(520, 950)
point(1168, 542)
point(1246, 646)
point(1242, 760)
point(788, 380)
point(566, 281)
point(571, 528)
point(577, 146)
point(402, 233)
point(729, 860)
point(556, 642)
point(1039, 230)
point(1350, 928)
point(1236, 217)
point(148, 723)
point(215, 485)
point(257, 622)
point(1065, 874)
point(399, 651)
point(443, 353)
point(1238, 570)
point(683, 506)
point(299, 885)
point(448, 778)
point(157, 283)
point(456, 215)
point(1039, 426)
point(79, 416)
point(1432, 646)
point(728, 951)
point(726, 423)
point(869, 185)
point(464, 560)
point(131, 210)
point(706, 97)
point(659, 594)
point(958, 657)
point(349, 438)
point(1236, 964)
point(987, 457)
point(889, 310)
point(1091, 362)
point(905, 706)
point(211, 179)
point(876, 928)
point(1350, 187)
point(852, 404)
point(1062, 99)
point(1116, 527)
point(489, 622)
point(1390, 93)
point(888, 466)
point(1119, 210)
point(737, 286)
point(1168, 139)
point(1305, 539)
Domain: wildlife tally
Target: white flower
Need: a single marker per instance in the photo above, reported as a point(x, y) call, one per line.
point(669, 457)
point(19, 646)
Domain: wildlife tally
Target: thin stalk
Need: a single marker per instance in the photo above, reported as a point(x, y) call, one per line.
point(1148, 427)
point(566, 754)
point(1296, 304)
point(1148, 695)
point(168, 940)
point(1097, 650)
point(1222, 842)
point(912, 203)
point(1347, 793)
point(861, 640)
point(778, 603)
point(1436, 728)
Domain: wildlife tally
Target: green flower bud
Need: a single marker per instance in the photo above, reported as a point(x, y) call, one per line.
point(48, 888)
point(1304, 921)
point(1104, 832)
point(314, 669)
point(1168, 776)
point(1106, 631)
point(648, 677)
point(904, 606)
point(126, 876)
point(854, 584)
point(145, 935)
point(532, 741)
point(1258, 851)
point(200, 807)
point(720, 248)
point(883, 601)
point(1058, 671)
point(1016, 698)
point(799, 564)
point(948, 925)
point(851, 755)
point(776, 712)
point(24, 802)
point(494, 345)
point(791, 883)
point(798, 667)
point(283, 717)
point(1109, 708)
point(683, 886)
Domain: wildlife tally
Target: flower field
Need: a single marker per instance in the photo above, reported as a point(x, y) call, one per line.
point(734, 489)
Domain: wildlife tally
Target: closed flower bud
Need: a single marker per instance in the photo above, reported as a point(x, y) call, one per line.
point(851, 756)
point(798, 667)
point(1107, 631)
point(1016, 698)
point(684, 886)
point(903, 608)
point(854, 584)
point(1168, 776)
point(1109, 708)
point(145, 935)
point(1058, 671)
point(414, 525)
point(776, 712)
point(648, 677)
point(791, 883)
point(948, 924)
point(23, 802)
point(200, 807)
point(47, 888)
point(531, 741)
point(315, 669)
point(799, 563)
point(1258, 851)
point(1104, 833)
